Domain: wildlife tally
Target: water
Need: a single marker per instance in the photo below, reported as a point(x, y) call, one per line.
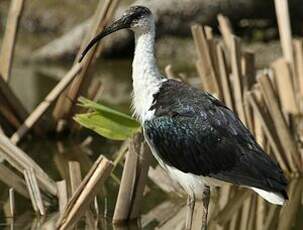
point(31, 82)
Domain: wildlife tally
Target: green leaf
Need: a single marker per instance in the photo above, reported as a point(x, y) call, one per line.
point(101, 108)
point(107, 122)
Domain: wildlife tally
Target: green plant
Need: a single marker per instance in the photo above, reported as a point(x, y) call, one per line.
point(105, 121)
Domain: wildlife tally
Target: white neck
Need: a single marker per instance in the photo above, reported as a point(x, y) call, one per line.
point(146, 76)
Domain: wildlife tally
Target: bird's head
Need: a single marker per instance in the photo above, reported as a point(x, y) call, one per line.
point(136, 18)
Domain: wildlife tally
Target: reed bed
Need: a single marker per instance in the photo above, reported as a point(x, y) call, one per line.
point(269, 102)
point(85, 192)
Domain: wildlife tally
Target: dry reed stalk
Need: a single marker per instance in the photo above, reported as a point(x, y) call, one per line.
point(213, 211)
point(268, 127)
point(224, 78)
point(21, 161)
point(252, 220)
point(62, 195)
point(61, 163)
point(9, 40)
point(298, 47)
point(96, 206)
point(237, 78)
point(271, 217)
point(226, 30)
point(74, 178)
point(282, 14)
point(204, 64)
point(289, 211)
point(74, 175)
point(248, 113)
point(119, 155)
point(133, 180)
point(67, 100)
point(283, 132)
point(234, 220)
point(248, 70)
point(142, 172)
point(44, 105)
point(34, 191)
point(286, 90)
point(8, 177)
point(259, 132)
point(87, 142)
point(224, 196)
point(212, 49)
point(245, 213)
point(169, 72)
point(233, 205)
point(12, 202)
point(208, 32)
point(85, 193)
point(260, 213)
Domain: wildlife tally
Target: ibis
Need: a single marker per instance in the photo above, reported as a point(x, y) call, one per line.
point(194, 136)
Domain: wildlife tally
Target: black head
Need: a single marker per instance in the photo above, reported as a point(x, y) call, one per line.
point(136, 17)
point(135, 13)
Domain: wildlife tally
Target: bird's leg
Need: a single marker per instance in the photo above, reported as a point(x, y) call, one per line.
point(205, 202)
point(200, 211)
point(190, 210)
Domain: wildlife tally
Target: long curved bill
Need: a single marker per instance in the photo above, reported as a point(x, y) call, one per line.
point(121, 23)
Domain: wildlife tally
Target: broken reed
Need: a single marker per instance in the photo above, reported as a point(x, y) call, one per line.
point(133, 180)
point(9, 40)
point(84, 194)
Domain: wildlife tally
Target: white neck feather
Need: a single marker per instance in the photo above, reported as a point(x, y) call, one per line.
point(146, 76)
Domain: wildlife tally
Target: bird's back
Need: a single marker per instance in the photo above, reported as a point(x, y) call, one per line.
point(195, 133)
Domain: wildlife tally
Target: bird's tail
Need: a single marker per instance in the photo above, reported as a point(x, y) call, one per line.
point(272, 197)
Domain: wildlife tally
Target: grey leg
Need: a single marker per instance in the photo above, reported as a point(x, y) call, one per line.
point(205, 202)
point(190, 210)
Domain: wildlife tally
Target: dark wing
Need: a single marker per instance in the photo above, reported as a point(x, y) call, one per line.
point(196, 133)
